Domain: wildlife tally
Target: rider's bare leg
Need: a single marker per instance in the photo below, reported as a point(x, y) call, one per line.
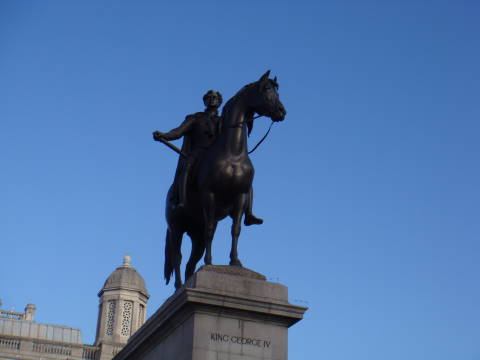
point(251, 219)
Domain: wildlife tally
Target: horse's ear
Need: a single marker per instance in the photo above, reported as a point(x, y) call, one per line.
point(265, 76)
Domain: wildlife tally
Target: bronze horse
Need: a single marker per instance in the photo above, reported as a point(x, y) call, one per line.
point(221, 181)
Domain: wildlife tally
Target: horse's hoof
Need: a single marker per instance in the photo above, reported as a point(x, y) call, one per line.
point(235, 262)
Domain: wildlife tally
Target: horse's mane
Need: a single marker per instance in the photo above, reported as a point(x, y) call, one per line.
point(228, 105)
point(234, 98)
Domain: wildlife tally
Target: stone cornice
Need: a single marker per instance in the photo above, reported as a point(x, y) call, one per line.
point(193, 298)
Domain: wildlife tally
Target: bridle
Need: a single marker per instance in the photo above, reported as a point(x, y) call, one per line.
point(241, 123)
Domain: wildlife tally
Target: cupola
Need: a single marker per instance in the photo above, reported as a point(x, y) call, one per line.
point(122, 306)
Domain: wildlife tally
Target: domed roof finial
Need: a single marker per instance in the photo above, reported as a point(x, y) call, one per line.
point(125, 277)
point(127, 261)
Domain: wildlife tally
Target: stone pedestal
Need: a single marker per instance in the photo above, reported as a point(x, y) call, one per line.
point(221, 313)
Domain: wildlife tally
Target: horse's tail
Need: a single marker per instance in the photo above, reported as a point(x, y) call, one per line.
point(168, 267)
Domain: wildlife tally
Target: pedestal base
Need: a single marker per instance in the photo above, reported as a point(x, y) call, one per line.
point(221, 313)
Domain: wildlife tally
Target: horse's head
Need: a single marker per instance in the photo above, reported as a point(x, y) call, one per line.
point(265, 99)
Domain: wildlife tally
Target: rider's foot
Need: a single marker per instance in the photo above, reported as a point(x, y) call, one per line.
point(251, 219)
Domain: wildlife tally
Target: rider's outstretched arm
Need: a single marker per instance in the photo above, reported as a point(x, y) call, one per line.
point(178, 132)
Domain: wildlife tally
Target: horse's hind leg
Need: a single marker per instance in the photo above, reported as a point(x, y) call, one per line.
point(176, 253)
point(198, 248)
point(236, 227)
point(210, 225)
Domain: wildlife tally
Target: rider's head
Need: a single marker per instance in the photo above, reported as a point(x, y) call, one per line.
point(212, 99)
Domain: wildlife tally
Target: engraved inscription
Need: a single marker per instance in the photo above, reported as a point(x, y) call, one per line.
point(218, 337)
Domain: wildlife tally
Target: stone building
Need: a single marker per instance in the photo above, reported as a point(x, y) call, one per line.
point(122, 310)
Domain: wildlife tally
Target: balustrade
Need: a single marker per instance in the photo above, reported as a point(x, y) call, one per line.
point(12, 344)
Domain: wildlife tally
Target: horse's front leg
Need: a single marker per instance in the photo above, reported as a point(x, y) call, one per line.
point(239, 208)
point(210, 225)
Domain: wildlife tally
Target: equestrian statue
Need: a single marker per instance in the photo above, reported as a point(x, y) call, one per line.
point(214, 173)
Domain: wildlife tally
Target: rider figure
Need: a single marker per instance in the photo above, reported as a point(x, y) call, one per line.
point(199, 130)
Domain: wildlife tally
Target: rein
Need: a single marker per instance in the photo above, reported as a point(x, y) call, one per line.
point(241, 123)
point(263, 138)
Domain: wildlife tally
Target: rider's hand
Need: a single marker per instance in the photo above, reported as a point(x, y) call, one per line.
point(157, 135)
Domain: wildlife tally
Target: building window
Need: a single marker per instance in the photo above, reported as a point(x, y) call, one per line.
point(141, 316)
point(110, 317)
point(127, 318)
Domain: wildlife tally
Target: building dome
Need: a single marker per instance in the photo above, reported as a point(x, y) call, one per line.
point(125, 277)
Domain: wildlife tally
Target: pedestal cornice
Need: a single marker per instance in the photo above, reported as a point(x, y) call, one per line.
point(233, 293)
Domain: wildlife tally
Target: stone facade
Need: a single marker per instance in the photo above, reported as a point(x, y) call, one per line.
point(221, 313)
point(122, 310)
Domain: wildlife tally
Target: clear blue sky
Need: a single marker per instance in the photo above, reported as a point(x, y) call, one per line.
point(369, 188)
